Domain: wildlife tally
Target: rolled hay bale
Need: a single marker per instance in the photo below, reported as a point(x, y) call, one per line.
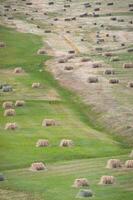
point(128, 65)
point(129, 164)
point(2, 45)
point(18, 70)
point(2, 177)
point(93, 79)
point(66, 143)
point(68, 68)
point(113, 163)
point(107, 180)
point(109, 72)
point(11, 126)
point(85, 59)
point(49, 122)
point(38, 166)
point(130, 85)
point(42, 143)
point(113, 81)
point(6, 88)
point(62, 60)
point(84, 194)
point(80, 182)
point(41, 52)
point(7, 105)
point(131, 154)
point(36, 85)
point(9, 112)
point(96, 65)
point(19, 103)
point(114, 59)
point(108, 54)
point(130, 50)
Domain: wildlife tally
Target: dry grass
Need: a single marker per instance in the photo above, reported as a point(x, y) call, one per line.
point(107, 180)
point(113, 163)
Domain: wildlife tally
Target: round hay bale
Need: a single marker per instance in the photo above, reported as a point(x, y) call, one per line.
point(107, 180)
point(93, 79)
point(68, 68)
point(42, 143)
point(6, 88)
point(2, 45)
point(80, 182)
point(62, 60)
point(19, 103)
point(114, 59)
point(129, 164)
point(128, 65)
point(2, 177)
point(7, 105)
point(38, 166)
point(85, 59)
point(49, 122)
point(36, 85)
point(130, 85)
point(108, 54)
point(84, 194)
point(9, 112)
point(109, 72)
point(113, 163)
point(66, 143)
point(41, 52)
point(96, 65)
point(113, 81)
point(18, 70)
point(11, 126)
point(131, 154)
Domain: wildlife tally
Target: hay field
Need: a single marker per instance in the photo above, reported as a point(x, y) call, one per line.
point(96, 117)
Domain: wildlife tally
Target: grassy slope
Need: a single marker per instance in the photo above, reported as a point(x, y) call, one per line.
point(18, 149)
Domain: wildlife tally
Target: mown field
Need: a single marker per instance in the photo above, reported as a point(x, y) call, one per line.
point(92, 146)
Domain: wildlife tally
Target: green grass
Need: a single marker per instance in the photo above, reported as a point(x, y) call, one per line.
point(17, 149)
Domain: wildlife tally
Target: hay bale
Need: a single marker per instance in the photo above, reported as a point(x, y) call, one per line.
point(130, 50)
point(131, 154)
point(2, 177)
point(41, 52)
point(80, 182)
point(113, 163)
point(108, 54)
point(114, 59)
point(7, 105)
point(130, 85)
point(19, 103)
point(96, 65)
point(66, 143)
point(62, 60)
point(36, 85)
point(109, 72)
point(49, 122)
point(42, 143)
point(84, 194)
point(113, 81)
point(128, 65)
point(18, 70)
point(68, 68)
point(107, 180)
point(37, 166)
point(9, 112)
point(11, 126)
point(93, 79)
point(2, 45)
point(6, 88)
point(129, 164)
point(85, 59)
